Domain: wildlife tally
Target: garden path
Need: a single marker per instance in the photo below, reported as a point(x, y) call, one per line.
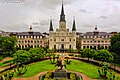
point(36, 77)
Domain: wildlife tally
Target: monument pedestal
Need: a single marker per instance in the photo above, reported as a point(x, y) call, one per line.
point(60, 73)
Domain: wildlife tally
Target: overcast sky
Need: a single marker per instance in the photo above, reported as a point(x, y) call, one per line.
point(19, 14)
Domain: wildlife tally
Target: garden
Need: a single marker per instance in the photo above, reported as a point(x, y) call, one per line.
point(29, 62)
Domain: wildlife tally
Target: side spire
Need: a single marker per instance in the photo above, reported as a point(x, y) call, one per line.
point(74, 26)
point(62, 16)
point(51, 26)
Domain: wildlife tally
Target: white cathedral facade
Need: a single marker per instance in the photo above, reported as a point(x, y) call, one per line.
point(62, 38)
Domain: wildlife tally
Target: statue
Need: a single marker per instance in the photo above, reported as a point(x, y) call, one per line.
point(59, 64)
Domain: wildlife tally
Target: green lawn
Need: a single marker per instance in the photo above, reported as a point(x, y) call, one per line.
point(38, 67)
point(85, 68)
point(3, 64)
point(77, 66)
point(7, 63)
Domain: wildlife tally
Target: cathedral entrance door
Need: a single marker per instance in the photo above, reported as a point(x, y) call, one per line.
point(62, 46)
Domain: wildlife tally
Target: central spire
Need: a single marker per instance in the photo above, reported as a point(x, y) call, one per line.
point(62, 16)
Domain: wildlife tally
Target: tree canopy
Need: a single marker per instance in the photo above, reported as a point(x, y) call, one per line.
point(115, 46)
point(37, 53)
point(7, 44)
point(87, 53)
point(104, 55)
point(22, 56)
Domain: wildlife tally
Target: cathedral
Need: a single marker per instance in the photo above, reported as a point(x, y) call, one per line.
point(62, 38)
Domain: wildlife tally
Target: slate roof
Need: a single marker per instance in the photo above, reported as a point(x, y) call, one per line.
point(29, 33)
point(99, 34)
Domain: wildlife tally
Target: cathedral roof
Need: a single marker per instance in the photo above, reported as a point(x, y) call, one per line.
point(74, 26)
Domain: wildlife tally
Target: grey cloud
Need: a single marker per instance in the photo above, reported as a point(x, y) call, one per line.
point(84, 11)
point(16, 27)
point(46, 4)
point(87, 25)
point(103, 17)
point(44, 22)
point(18, 17)
point(112, 0)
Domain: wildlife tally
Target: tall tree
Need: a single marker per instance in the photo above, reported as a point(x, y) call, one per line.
point(104, 55)
point(22, 56)
point(87, 53)
point(115, 46)
point(37, 53)
point(8, 45)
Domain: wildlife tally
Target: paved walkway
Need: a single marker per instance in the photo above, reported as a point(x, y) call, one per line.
point(6, 59)
point(36, 77)
point(5, 67)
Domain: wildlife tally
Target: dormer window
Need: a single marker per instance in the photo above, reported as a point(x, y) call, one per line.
point(38, 37)
point(102, 36)
point(95, 36)
point(35, 37)
point(106, 36)
point(22, 37)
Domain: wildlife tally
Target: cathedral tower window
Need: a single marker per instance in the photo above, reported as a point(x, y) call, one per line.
point(62, 39)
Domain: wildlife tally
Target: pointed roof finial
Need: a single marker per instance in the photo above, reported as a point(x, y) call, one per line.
point(74, 26)
point(96, 30)
point(30, 27)
point(96, 27)
point(51, 26)
point(62, 11)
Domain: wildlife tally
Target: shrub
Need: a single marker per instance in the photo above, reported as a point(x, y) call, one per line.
point(7, 76)
point(72, 76)
point(48, 76)
point(71, 54)
point(1, 58)
point(67, 61)
point(20, 70)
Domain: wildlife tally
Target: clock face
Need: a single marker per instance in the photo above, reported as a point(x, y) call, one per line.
point(62, 29)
